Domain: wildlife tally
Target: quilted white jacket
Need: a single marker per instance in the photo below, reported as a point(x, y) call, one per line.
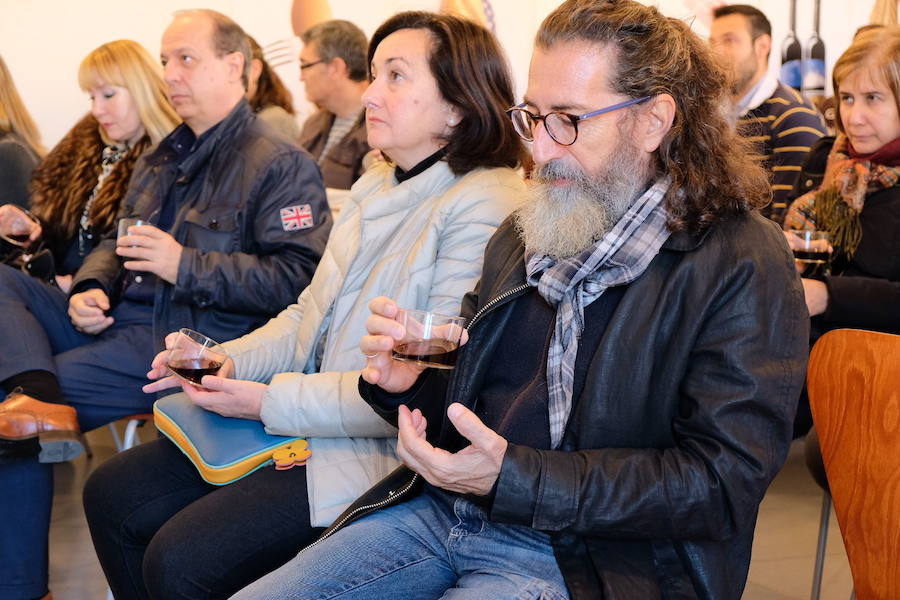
point(419, 242)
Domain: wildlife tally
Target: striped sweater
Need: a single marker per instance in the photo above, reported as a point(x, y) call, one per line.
point(784, 127)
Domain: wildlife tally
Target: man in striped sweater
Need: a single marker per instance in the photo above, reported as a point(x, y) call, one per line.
point(782, 123)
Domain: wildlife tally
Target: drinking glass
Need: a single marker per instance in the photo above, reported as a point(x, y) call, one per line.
point(194, 355)
point(16, 225)
point(125, 223)
point(431, 339)
point(812, 252)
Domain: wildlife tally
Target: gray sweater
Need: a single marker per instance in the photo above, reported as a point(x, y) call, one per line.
point(17, 161)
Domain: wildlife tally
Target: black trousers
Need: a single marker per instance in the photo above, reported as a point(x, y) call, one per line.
point(162, 532)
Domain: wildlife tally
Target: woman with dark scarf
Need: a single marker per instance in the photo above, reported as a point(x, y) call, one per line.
point(851, 189)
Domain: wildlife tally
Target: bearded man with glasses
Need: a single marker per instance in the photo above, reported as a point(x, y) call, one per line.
point(634, 353)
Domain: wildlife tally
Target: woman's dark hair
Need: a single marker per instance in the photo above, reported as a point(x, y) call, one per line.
point(269, 89)
point(472, 75)
point(711, 167)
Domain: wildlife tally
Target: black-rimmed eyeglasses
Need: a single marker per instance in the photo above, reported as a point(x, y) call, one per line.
point(561, 127)
point(304, 66)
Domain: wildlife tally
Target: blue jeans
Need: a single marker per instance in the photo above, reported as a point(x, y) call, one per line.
point(26, 522)
point(100, 375)
point(433, 546)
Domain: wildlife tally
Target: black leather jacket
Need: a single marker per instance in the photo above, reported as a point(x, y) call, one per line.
point(684, 420)
point(239, 266)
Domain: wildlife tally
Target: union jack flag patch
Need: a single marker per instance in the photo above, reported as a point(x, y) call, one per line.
point(294, 218)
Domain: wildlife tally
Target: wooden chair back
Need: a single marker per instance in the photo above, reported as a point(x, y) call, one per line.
point(854, 391)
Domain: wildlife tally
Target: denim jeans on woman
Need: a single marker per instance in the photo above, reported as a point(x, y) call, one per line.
point(434, 546)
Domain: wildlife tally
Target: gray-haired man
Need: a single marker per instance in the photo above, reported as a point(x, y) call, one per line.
point(334, 72)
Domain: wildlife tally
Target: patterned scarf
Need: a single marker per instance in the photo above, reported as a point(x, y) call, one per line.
point(837, 203)
point(112, 154)
point(619, 257)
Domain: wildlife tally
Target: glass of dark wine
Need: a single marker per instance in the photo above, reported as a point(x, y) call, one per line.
point(431, 340)
point(194, 355)
point(812, 252)
point(16, 225)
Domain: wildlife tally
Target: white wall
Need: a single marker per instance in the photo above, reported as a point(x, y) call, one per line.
point(43, 41)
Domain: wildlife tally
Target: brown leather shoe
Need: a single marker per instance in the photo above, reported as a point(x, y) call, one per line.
point(23, 418)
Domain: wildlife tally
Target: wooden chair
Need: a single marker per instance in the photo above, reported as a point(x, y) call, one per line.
point(854, 391)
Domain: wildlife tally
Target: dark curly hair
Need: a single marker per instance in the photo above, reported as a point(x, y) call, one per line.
point(472, 75)
point(713, 174)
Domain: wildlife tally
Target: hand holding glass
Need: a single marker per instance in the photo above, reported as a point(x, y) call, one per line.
point(125, 224)
point(812, 252)
point(194, 355)
point(17, 225)
point(431, 339)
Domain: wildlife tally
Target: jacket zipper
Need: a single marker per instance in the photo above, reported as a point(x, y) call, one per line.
point(494, 301)
point(392, 496)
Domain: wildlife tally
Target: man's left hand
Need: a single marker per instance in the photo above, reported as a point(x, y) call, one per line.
point(157, 252)
point(472, 470)
point(227, 397)
point(816, 293)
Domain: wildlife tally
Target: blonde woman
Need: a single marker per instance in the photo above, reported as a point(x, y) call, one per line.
point(77, 190)
point(20, 142)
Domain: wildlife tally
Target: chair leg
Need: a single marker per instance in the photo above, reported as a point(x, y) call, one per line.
point(131, 435)
point(820, 550)
point(88, 451)
point(115, 436)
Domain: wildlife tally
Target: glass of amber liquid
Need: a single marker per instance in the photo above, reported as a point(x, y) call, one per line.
point(431, 339)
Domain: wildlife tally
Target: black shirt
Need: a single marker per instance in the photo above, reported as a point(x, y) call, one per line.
point(400, 175)
point(513, 400)
point(139, 286)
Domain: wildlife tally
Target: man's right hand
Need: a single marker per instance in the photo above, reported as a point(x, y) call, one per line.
point(159, 371)
point(383, 332)
point(87, 310)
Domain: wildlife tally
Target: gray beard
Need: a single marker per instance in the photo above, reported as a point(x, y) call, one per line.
point(562, 221)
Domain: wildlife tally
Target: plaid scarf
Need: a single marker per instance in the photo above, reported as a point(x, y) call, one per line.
point(619, 257)
point(836, 204)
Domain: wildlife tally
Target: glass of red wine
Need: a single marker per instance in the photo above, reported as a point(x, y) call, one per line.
point(812, 252)
point(194, 355)
point(431, 339)
point(16, 225)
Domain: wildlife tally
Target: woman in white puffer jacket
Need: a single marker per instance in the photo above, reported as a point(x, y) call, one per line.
point(413, 229)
